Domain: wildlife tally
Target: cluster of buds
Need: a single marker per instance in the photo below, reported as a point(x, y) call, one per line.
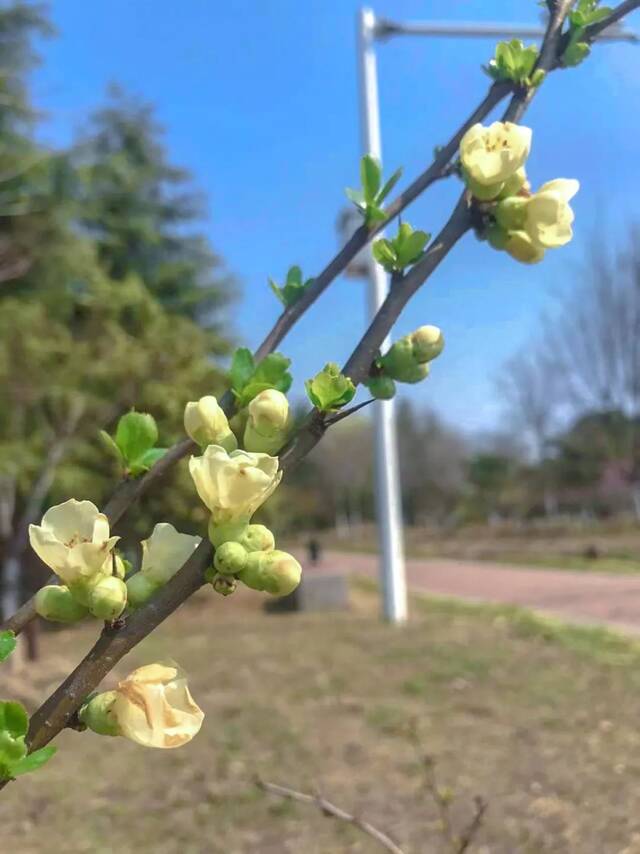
point(152, 707)
point(407, 361)
point(74, 540)
point(515, 219)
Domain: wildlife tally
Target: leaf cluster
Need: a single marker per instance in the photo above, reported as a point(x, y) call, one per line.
point(293, 287)
point(330, 389)
point(403, 250)
point(248, 379)
point(134, 442)
point(515, 62)
point(585, 14)
point(369, 199)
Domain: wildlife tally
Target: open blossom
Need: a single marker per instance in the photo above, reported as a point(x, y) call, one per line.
point(491, 155)
point(548, 215)
point(73, 540)
point(234, 485)
point(165, 551)
point(152, 707)
point(206, 423)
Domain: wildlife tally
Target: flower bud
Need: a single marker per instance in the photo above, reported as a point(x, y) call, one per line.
point(381, 387)
point(274, 572)
point(230, 558)
point(140, 588)
point(97, 714)
point(428, 343)
point(520, 246)
point(401, 364)
point(497, 236)
point(206, 424)
point(269, 412)
point(257, 538)
point(511, 213)
point(108, 598)
point(56, 603)
point(226, 533)
point(120, 566)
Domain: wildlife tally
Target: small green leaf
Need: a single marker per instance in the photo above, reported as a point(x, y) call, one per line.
point(146, 461)
point(136, 433)
point(294, 276)
point(384, 254)
point(393, 180)
point(110, 445)
point(12, 749)
point(7, 644)
point(330, 389)
point(374, 214)
point(33, 761)
point(370, 176)
point(411, 248)
point(357, 197)
point(272, 372)
point(13, 718)
point(278, 291)
point(242, 368)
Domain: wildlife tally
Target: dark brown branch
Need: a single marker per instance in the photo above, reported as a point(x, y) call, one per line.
point(332, 811)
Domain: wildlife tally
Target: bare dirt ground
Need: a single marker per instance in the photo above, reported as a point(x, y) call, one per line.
point(577, 596)
point(538, 718)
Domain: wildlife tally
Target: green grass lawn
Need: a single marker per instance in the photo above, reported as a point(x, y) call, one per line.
point(539, 718)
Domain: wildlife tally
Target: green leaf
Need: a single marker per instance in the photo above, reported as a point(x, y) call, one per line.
point(33, 761)
point(385, 254)
point(110, 445)
point(374, 214)
point(357, 197)
point(576, 52)
point(505, 57)
point(330, 389)
point(294, 276)
point(272, 372)
point(12, 749)
point(393, 180)
point(135, 434)
point(411, 247)
point(278, 291)
point(13, 718)
point(146, 461)
point(7, 644)
point(370, 176)
point(242, 368)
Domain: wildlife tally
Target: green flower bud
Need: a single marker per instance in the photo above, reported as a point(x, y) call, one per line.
point(96, 714)
point(511, 213)
point(257, 538)
point(140, 589)
point(428, 343)
point(108, 598)
point(514, 184)
point(230, 532)
point(520, 246)
point(400, 362)
point(482, 192)
point(56, 603)
point(224, 585)
point(274, 572)
point(230, 558)
point(381, 387)
point(497, 236)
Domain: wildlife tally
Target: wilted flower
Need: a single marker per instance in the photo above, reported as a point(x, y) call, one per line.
point(152, 707)
point(73, 540)
point(491, 155)
point(548, 215)
point(206, 423)
point(234, 485)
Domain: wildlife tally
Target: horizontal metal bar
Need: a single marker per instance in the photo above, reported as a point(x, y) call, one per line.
point(385, 28)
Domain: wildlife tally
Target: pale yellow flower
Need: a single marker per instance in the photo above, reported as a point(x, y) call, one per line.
point(521, 247)
point(269, 412)
point(491, 155)
point(73, 540)
point(153, 707)
point(548, 215)
point(206, 423)
point(234, 485)
point(165, 551)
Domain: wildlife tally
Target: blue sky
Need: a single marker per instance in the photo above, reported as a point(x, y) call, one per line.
point(259, 100)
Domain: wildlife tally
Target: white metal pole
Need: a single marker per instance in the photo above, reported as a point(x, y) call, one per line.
point(388, 501)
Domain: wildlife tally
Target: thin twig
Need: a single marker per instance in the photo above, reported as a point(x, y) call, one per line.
point(468, 835)
point(331, 810)
point(347, 412)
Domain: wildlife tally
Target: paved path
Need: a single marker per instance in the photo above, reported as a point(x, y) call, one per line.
point(577, 596)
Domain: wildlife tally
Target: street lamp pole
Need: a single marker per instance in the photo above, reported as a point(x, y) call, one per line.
point(387, 482)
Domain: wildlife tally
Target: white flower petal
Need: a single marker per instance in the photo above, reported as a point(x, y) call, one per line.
point(71, 519)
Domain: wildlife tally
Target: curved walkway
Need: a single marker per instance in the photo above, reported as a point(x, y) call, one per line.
point(576, 596)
